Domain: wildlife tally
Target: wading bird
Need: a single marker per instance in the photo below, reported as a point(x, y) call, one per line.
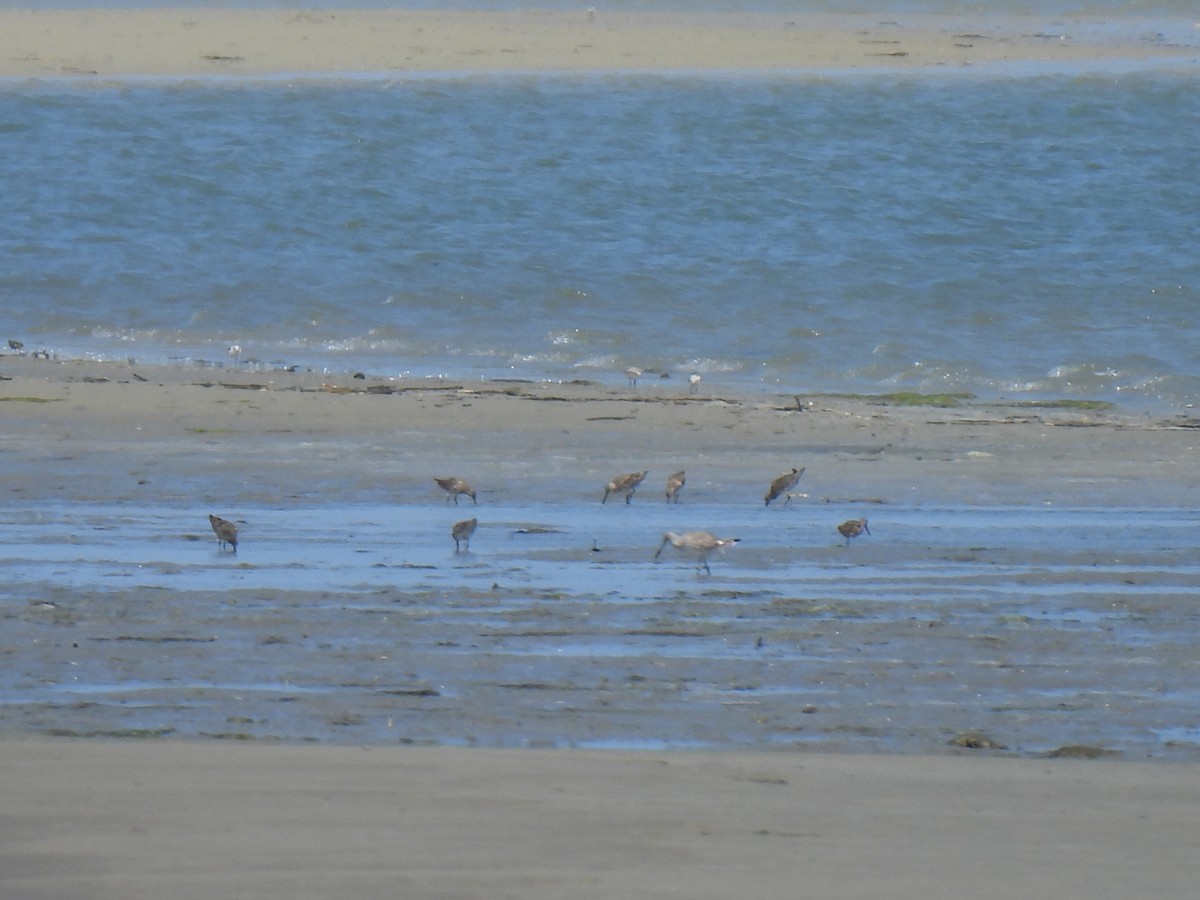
point(693, 382)
point(462, 531)
point(225, 531)
point(633, 373)
point(624, 484)
point(782, 485)
point(674, 485)
point(455, 486)
point(852, 528)
point(701, 543)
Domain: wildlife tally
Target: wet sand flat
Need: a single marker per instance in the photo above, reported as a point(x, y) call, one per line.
point(1024, 597)
point(248, 42)
point(116, 431)
point(1026, 586)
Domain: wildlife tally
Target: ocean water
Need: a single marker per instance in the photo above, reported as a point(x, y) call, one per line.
point(1015, 233)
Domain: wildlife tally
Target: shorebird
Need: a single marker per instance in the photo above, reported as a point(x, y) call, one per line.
point(624, 484)
point(235, 353)
point(782, 485)
point(701, 543)
point(674, 485)
point(15, 345)
point(462, 531)
point(852, 528)
point(693, 382)
point(455, 486)
point(633, 373)
point(225, 531)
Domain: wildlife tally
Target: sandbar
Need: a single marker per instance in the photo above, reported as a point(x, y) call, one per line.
point(77, 430)
point(188, 42)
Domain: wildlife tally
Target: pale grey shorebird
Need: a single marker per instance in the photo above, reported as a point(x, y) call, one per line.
point(675, 484)
point(633, 373)
point(453, 487)
point(625, 484)
point(701, 543)
point(462, 531)
point(852, 528)
point(693, 382)
point(782, 485)
point(225, 531)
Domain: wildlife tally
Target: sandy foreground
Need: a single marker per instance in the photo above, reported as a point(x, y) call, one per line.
point(95, 819)
point(188, 42)
point(98, 820)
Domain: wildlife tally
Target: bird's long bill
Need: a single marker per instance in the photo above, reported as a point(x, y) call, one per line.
point(660, 547)
point(865, 528)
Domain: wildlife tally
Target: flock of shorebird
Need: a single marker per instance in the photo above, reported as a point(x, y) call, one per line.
point(633, 373)
point(700, 543)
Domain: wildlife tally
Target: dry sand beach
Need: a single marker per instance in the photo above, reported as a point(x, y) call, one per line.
point(188, 42)
point(127, 821)
point(93, 817)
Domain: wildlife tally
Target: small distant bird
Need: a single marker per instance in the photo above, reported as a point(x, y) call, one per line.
point(624, 484)
point(455, 486)
point(462, 531)
point(852, 528)
point(633, 373)
point(225, 531)
point(674, 485)
point(235, 353)
point(701, 543)
point(15, 345)
point(782, 485)
point(693, 382)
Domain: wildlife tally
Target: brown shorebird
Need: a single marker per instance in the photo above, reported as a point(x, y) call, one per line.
point(852, 528)
point(624, 484)
point(701, 543)
point(674, 485)
point(633, 373)
point(782, 485)
point(462, 531)
point(455, 486)
point(225, 531)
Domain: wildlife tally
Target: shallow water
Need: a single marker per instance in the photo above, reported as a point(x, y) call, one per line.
point(1041, 627)
point(1010, 234)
